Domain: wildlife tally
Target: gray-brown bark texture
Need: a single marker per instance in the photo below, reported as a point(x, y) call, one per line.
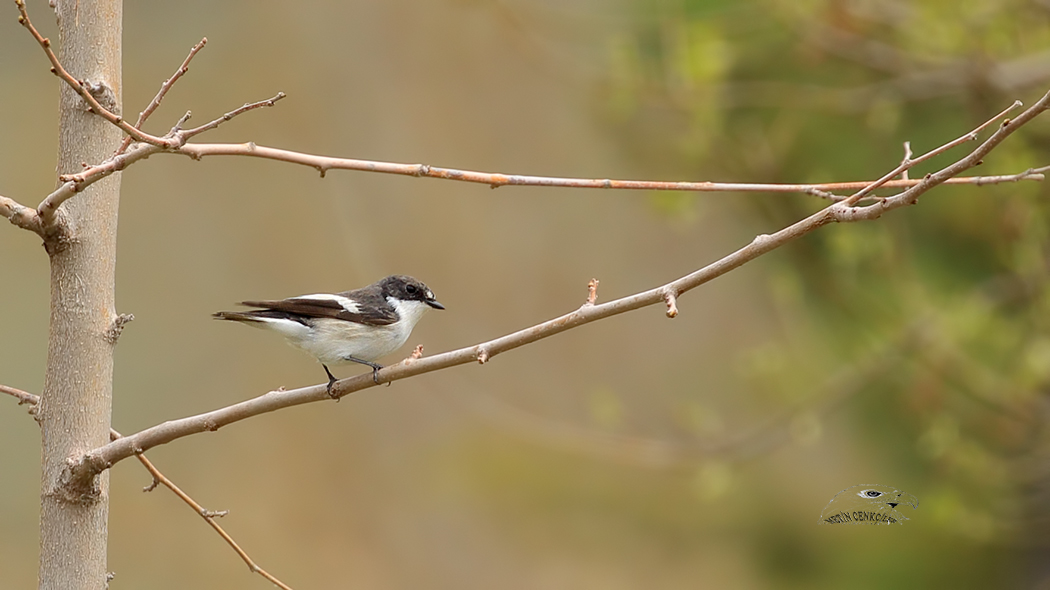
point(74, 412)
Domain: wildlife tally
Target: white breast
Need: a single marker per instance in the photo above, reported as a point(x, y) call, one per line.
point(332, 340)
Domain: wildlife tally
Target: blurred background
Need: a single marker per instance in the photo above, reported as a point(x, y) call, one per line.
point(637, 452)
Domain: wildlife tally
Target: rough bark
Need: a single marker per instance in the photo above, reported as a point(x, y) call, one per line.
point(75, 407)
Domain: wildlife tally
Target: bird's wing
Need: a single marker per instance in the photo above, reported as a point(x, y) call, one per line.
point(324, 305)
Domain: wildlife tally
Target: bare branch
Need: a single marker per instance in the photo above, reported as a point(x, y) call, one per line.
point(909, 163)
point(184, 135)
point(20, 215)
point(494, 179)
point(907, 158)
point(24, 397)
point(209, 517)
point(74, 183)
point(103, 457)
point(81, 87)
point(164, 88)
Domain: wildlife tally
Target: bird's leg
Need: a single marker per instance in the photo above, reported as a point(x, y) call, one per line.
point(375, 367)
point(331, 381)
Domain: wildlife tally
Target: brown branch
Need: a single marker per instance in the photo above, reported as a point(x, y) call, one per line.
point(209, 517)
point(909, 163)
point(24, 397)
point(75, 183)
point(20, 215)
point(494, 179)
point(185, 135)
point(164, 88)
point(99, 459)
point(80, 86)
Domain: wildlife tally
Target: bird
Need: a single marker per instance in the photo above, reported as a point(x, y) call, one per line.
point(358, 326)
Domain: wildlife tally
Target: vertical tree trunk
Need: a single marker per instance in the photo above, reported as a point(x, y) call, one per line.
point(74, 412)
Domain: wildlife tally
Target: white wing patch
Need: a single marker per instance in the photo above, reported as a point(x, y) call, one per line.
point(344, 302)
point(868, 504)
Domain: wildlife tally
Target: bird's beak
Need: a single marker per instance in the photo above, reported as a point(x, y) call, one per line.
point(435, 304)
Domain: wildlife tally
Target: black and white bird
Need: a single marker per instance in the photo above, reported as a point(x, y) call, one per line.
point(358, 326)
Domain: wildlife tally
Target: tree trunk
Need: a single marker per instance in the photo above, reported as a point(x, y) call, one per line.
point(74, 412)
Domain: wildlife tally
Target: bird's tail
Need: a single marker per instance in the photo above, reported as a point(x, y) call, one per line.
point(236, 316)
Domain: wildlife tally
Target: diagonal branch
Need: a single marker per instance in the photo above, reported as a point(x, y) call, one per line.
point(94, 462)
point(185, 135)
point(209, 516)
point(81, 87)
point(164, 88)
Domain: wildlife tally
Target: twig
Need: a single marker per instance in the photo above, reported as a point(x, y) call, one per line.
point(75, 183)
point(81, 88)
point(24, 397)
point(209, 517)
point(164, 88)
point(909, 163)
point(99, 459)
point(184, 135)
point(907, 157)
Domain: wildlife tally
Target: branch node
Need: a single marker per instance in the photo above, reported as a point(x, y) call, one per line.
point(761, 239)
point(482, 355)
point(116, 327)
point(210, 426)
point(671, 298)
point(592, 291)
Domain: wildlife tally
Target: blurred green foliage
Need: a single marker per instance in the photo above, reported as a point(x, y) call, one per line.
point(828, 90)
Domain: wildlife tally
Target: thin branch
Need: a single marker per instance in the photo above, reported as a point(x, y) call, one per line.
point(907, 158)
point(164, 88)
point(184, 135)
point(909, 163)
point(75, 183)
point(494, 179)
point(102, 458)
point(24, 397)
point(20, 215)
point(209, 517)
point(81, 87)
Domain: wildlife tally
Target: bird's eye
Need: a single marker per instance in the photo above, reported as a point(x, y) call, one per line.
point(411, 289)
point(871, 493)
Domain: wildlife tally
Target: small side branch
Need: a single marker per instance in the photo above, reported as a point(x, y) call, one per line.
point(209, 516)
point(184, 135)
point(164, 88)
point(81, 87)
point(20, 215)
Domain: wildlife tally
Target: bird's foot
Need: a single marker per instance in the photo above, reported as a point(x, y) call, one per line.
point(331, 382)
point(375, 367)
